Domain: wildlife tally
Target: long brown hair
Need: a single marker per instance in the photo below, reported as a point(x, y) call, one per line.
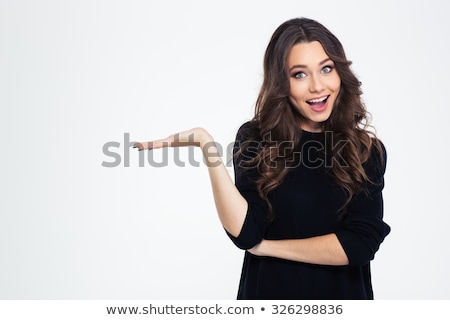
point(277, 120)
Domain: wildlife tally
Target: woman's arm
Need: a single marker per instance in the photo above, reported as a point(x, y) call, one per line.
point(230, 204)
point(325, 250)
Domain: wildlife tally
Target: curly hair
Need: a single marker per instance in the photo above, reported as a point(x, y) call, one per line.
point(276, 119)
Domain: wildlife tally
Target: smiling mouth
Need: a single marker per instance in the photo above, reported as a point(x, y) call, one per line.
point(318, 102)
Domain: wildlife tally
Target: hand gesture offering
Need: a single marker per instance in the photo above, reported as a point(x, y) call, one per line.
point(198, 137)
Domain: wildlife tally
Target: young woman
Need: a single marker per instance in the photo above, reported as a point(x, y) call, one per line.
point(306, 203)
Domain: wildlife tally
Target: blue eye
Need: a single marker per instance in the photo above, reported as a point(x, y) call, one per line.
point(327, 69)
point(299, 75)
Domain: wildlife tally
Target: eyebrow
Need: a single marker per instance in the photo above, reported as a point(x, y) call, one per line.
point(304, 66)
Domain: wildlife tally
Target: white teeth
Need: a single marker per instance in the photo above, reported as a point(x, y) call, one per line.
point(317, 100)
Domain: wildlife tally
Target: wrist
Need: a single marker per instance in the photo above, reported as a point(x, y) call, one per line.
point(204, 138)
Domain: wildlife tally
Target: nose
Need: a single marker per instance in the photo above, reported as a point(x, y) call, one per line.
point(316, 84)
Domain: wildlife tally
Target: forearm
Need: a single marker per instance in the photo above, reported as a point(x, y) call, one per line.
point(230, 204)
point(324, 250)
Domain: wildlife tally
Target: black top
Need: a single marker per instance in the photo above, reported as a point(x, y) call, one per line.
point(306, 204)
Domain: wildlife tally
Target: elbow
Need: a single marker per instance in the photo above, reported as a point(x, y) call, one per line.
point(361, 247)
point(245, 241)
point(249, 233)
point(357, 252)
point(360, 255)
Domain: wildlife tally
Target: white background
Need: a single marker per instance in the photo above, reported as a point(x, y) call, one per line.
point(75, 75)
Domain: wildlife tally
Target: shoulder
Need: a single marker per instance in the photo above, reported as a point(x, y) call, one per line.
point(247, 144)
point(248, 131)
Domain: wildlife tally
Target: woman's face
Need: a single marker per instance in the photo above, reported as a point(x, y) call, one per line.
point(314, 84)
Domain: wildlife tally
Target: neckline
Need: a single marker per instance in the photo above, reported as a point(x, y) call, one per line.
point(312, 133)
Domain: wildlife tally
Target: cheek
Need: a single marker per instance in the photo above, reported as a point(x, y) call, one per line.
point(297, 92)
point(336, 84)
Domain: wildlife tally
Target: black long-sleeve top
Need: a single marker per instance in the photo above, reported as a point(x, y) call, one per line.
point(307, 204)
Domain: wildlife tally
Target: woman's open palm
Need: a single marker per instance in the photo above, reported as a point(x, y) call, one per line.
point(194, 137)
